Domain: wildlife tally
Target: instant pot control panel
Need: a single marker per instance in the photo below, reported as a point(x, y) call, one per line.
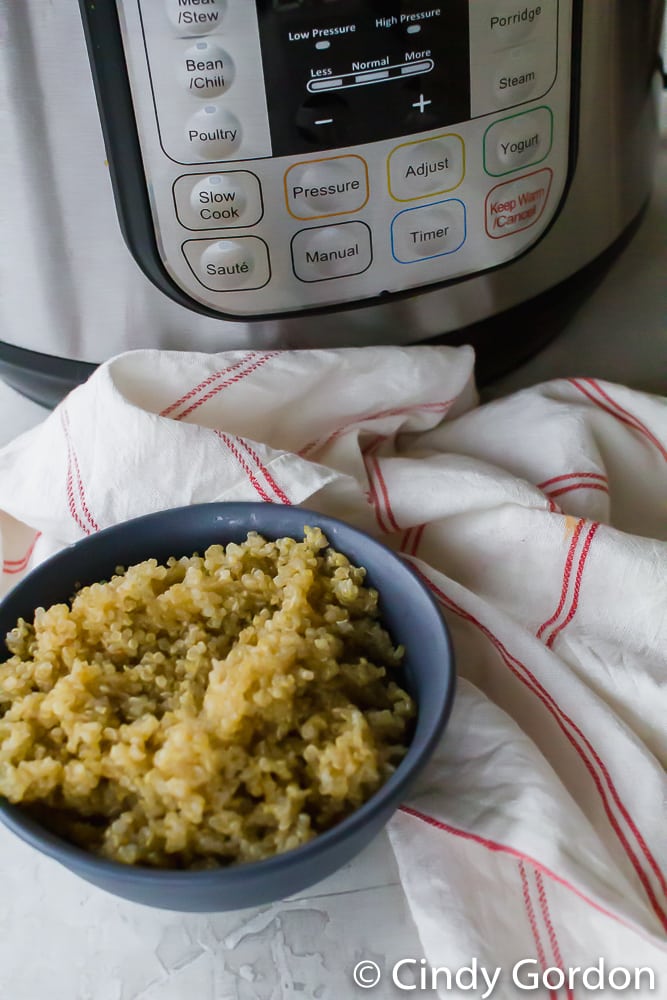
point(300, 154)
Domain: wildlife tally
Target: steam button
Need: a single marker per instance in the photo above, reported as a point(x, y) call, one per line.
point(196, 17)
point(213, 133)
point(519, 76)
point(229, 265)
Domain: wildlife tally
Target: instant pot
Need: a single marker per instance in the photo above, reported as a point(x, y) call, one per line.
point(308, 173)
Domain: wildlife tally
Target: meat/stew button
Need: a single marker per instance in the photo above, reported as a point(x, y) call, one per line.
point(517, 204)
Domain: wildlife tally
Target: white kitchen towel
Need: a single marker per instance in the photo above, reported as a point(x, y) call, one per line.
point(539, 522)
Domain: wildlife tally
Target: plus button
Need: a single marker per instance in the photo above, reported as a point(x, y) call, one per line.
point(422, 103)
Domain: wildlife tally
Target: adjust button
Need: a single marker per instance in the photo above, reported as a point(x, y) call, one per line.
point(229, 265)
point(428, 231)
point(518, 141)
point(426, 167)
point(213, 133)
point(218, 201)
point(196, 17)
point(205, 70)
point(336, 251)
point(315, 189)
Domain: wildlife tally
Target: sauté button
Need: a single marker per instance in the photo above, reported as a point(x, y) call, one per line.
point(315, 189)
point(518, 141)
point(196, 17)
point(213, 133)
point(332, 251)
point(426, 167)
point(428, 231)
point(517, 204)
point(229, 265)
point(206, 70)
point(218, 201)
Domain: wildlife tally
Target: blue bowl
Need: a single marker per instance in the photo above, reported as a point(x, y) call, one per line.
point(408, 612)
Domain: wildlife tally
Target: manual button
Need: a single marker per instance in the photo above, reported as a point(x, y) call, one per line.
point(316, 189)
point(229, 265)
point(336, 251)
point(427, 167)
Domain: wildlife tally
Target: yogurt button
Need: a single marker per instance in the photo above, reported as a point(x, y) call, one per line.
point(213, 133)
point(196, 17)
point(229, 265)
point(205, 70)
point(518, 141)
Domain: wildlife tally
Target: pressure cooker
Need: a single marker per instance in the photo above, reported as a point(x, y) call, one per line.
point(312, 173)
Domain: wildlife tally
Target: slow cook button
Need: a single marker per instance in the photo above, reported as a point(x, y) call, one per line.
point(218, 201)
point(196, 17)
point(521, 75)
point(212, 133)
point(229, 265)
point(427, 167)
point(337, 185)
point(517, 204)
point(205, 70)
point(336, 251)
point(518, 141)
point(428, 231)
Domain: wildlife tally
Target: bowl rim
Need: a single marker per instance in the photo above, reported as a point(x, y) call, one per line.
point(50, 844)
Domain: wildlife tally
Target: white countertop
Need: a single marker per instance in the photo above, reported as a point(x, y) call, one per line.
point(64, 940)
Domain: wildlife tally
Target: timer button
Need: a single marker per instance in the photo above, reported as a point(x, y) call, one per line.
point(229, 265)
point(316, 189)
point(218, 201)
point(213, 133)
point(428, 231)
point(205, 70)
point(196, 17)
point(327, 252)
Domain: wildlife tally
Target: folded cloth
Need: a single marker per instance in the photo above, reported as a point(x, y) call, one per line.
point(539, 522)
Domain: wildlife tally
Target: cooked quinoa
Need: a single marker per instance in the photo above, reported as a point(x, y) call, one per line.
point(214, 709)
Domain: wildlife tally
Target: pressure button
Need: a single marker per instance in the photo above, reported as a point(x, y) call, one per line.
point(229, 265)
point(196, 17)
point(315, 189)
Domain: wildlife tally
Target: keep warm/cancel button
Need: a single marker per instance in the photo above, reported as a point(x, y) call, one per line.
point(517, 204)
